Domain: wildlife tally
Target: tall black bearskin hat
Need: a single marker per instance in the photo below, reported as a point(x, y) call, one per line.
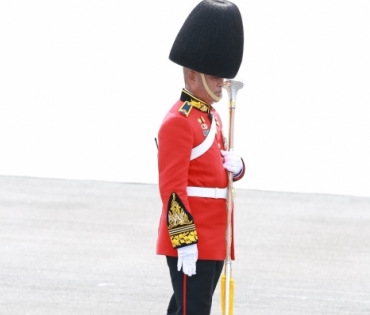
point(211, 40)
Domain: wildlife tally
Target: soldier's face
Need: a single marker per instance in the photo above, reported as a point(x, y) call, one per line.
point(213, 85)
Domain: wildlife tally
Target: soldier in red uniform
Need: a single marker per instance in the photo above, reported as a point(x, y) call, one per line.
point(193, 159)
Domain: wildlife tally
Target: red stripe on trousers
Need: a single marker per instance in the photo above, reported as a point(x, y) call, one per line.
point(184, 295)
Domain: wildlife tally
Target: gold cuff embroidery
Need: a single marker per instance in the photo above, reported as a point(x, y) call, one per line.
point(180, 223)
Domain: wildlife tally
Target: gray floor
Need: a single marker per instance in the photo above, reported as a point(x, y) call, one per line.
point(84, 247)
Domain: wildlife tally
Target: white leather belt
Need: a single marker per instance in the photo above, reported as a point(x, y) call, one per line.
point(217, 193)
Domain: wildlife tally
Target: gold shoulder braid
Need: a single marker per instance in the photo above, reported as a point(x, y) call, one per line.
point(191, 101)
point(180, 223)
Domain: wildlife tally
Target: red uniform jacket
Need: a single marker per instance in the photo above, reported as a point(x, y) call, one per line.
point(187, 220)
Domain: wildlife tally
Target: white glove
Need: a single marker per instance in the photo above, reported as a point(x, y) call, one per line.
point(232, 162)
point(188, 256)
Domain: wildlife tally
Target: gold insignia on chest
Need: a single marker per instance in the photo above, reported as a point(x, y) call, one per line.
point(202, 122)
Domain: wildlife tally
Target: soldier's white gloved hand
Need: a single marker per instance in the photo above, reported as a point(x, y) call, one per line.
point(187, 258)
point(232, 162)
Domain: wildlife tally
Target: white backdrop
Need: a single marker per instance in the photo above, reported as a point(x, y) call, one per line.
point(84, 86)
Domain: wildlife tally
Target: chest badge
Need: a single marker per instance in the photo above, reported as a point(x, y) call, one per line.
point(203, 125)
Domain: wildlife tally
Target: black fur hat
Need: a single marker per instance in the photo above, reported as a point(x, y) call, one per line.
point(211, 40)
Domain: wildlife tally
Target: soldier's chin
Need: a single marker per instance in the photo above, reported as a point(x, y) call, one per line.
point(219, 96)
point(215, 96)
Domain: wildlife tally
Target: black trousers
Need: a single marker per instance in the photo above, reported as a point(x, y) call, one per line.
point(193, 295)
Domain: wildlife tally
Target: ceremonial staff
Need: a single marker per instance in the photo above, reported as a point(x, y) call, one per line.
point(227, 282)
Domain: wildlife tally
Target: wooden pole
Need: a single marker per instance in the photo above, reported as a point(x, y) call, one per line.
point(232, 87)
